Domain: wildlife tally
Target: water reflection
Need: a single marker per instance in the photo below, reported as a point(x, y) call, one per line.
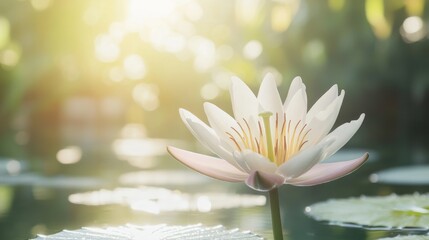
point(64, 182)
point(130, 149)
point(352, 153)
point(163, 177)
point(156, 200)
point(407, 175)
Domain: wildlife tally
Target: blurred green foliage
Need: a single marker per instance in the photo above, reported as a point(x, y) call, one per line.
point(48, 55)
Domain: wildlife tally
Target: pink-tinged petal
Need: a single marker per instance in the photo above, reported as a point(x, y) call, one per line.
point(323, 102)
point(212, 142)
point(295, 86)
point(207, 165)
point(342, 135)
point(221, 121)
point(244, 102)
point(269, 96)
point(303, 161)
point(326, 172)
point(264, 182)
point(185, 115)
point(251, 161)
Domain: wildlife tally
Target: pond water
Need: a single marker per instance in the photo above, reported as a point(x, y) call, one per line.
point(31, 208)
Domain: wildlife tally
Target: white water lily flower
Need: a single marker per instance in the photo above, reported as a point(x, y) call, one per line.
point(269, 143)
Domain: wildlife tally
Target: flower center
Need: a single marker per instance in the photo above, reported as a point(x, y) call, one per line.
point(289, 137)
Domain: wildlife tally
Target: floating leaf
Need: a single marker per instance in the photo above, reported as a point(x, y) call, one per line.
point(410, 175)
point(397, 212)
point(414, 237)
point(156, 232)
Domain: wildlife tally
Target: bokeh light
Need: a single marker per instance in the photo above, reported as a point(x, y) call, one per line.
point(158, 200)
point(134, 67)
point(413, 29)
point(252, 49)
point(146, 95)
point(40, 5)
point(69, 155)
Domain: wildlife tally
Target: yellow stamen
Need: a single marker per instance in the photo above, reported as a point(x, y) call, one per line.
point(285, 144)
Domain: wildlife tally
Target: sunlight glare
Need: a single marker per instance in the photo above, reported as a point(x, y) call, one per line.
point(193, 11)
point(162, 178)
point(69, 155)
point(222, 79)
point(247, 10)
point(413, 29)
point(204, 51)
point(209, 91)
point(282, 15)
point(13, 167)
point(133, 130)
point(147, 96)
point(9, 57)
point(134, 67)
point(413, 24)
point(141, 12)
point(106, 48)
point(137, 148)
point(156, 200)
point(252, 49)
point(204, 204)
point(40, 5)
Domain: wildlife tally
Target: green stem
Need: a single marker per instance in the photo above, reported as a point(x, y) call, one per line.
point(274, 193)
point(275, 214)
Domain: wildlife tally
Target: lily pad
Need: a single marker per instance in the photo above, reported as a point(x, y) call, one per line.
point(413, 237)
point(409, 175)
point(387, 212)
point(158, 232)
point(156, 200)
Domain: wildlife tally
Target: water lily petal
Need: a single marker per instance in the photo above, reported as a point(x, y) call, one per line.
point(262, 181)
point(244, 102)
point(185, 115)
point(322, 123)
point(207, 137)
point(324, 101)
point(303, 161)
point(297, 108)
point(342, 135)
point(269, 96)
point(207, 165)
point(251, 161)
point(295, 86)
point(221, 121)
point(326, 172)
point(213, 143)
